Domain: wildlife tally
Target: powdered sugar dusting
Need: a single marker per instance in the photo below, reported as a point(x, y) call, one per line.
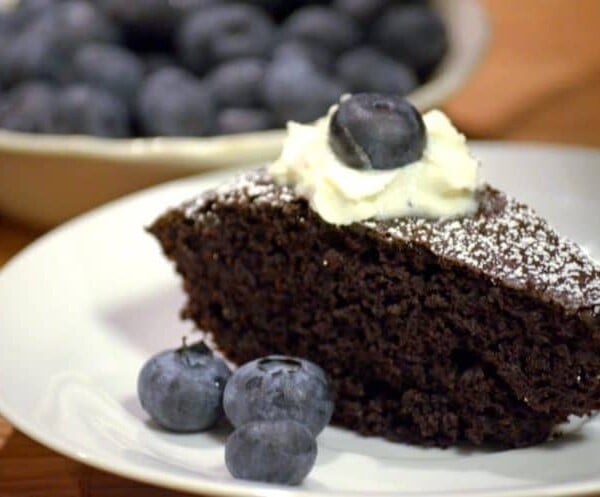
point(513, 245)
point(506, 240)
point(252, 185)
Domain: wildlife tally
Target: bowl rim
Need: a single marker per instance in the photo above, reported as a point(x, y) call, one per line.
point(467, 48)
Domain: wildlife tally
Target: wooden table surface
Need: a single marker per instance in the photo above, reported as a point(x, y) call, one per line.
point(541, 82)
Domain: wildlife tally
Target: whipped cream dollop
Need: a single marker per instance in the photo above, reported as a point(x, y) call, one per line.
point(441, 184)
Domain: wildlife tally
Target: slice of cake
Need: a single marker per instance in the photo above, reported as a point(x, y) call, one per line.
point(443, 311)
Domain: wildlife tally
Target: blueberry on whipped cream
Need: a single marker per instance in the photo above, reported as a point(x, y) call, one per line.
point(372, 131)
point(375, 156)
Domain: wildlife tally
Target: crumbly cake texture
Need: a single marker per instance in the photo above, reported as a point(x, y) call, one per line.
point(484, 329)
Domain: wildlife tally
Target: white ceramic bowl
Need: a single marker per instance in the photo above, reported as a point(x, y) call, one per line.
point(46, 179)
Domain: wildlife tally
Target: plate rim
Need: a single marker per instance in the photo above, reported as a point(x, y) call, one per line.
point(587, 487)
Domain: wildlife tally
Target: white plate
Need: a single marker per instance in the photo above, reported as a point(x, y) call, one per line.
point(82, 308)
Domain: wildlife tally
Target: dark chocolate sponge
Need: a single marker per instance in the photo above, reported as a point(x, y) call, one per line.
point(484, 329)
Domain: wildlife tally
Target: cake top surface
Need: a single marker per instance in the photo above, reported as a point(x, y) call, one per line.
point(505, 240)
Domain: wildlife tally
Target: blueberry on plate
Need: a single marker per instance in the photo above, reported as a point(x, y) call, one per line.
point(109, 67)
point(172, 102)
point(278, 388)
point(83, 110)
point(366, 69)
point(28, 108)
point(320, 57)
point(414, 34)
point(224, 32)
point(295, 90)
point(239, 120)
point(271, 451)
point(362, 11)
point(182, 389)
point(373, 131)
point(237, 83)
point(323, 26)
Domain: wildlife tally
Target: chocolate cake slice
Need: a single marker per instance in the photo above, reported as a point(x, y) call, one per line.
point(481, 329)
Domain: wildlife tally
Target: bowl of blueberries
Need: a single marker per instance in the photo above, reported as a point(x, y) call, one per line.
point(99, 98)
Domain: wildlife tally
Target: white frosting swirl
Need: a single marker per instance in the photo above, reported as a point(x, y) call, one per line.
point(442, 184)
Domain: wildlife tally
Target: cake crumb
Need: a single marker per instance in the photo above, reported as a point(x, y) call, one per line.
point(508, 241)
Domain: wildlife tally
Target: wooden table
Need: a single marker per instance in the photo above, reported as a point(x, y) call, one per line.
point(541, 81)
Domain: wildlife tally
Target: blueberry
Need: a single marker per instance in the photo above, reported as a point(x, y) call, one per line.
point(36, 53)
point(278, 388)
point(322, 26)
point(365, 69)
point(5, 22)
point(271, 451)
point(43, 49)
point(240, 120)
point(224, 32)
point(320, 57)
point(237, 83)
point(83, 110)
point(172, 102)
point(182, 389)
point(295, 90)
point(372, 131)
point(28, 10)
point(362, 11)
point(28, 108)
point(77, 22)
point(413, 34)
point(109, 67)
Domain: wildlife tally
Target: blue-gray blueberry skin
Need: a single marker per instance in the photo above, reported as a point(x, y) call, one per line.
point(323, 26)
point(83, 110)
point(77, 22)
point(110, 68)
point(375, 131)
point(237, 83)
point(413, 34)
point(366, 69)
point(27, 10)
point(242, 120)
point(42, 48)
point(172, 102)
point(281, 452)
point(224, 32)
point(34, 54)
point(321, 58)
point(182, 389)
point(294, 89)
point(277, 388)
point(28, 108)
